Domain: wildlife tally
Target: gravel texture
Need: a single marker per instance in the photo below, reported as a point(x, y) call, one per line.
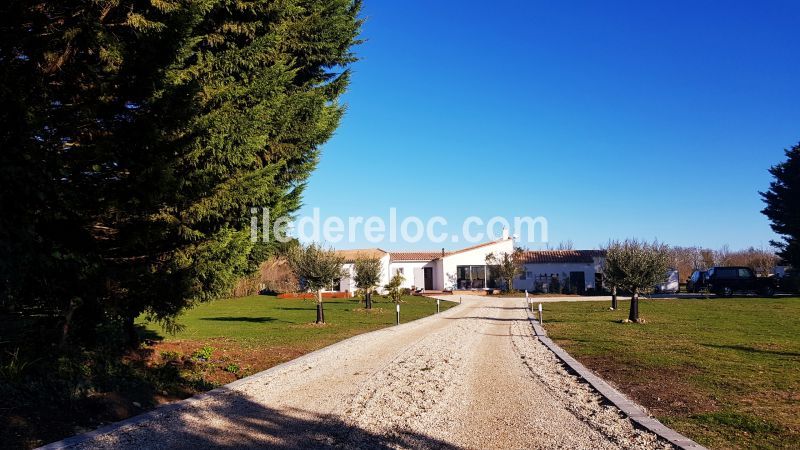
point(474, 376)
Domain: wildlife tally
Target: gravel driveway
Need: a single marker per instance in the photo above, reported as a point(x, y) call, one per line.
point(471, 377)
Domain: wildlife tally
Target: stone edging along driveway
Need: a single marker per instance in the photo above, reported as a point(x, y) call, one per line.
point(631, 409)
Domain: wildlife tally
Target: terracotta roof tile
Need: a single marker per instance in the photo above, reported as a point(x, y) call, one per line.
point(416, 256)
point(351, 255)
point(560, 256)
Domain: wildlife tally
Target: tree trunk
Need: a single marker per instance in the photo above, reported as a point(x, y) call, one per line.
point(131, 335)
point(320, 311)
point(634, 314)
point(368, 298)
point(66, 328)
point(614, 298)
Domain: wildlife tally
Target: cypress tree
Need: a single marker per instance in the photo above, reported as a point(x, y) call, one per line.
point(141, 133)
point(783, 206)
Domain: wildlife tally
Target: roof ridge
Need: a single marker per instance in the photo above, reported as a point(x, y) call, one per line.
point(477, 246)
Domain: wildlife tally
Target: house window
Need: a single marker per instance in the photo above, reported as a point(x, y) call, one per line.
point(477, 277)
point(399, 271)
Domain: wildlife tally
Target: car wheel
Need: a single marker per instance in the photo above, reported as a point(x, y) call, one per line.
point(727, 291)
point(768, 291)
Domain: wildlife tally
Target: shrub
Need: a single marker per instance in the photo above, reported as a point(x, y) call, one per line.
point(13, 369)
point(170, 356)
point(555, 285)
point(203, 354)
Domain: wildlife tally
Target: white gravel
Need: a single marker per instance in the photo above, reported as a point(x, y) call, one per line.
point(471, 377)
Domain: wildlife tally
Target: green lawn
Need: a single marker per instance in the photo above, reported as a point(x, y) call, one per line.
point(725, 372)
point(222, 341)
point(267, 320)
point(241, 336)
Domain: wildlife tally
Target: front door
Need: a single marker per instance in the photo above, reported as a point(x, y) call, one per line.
point(428, 278)
point(578, 281)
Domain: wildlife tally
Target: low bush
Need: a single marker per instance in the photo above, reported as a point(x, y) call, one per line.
point(203, 354)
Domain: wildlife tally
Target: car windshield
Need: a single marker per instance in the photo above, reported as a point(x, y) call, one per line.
point(726, 272)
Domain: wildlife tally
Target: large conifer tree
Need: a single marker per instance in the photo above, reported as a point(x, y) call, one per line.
point(783, 206)
point(140, 134)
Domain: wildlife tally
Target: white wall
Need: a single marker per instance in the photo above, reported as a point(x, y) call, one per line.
point(588, 269)
point(475, 257)
point(348, 284)
point(409, 268)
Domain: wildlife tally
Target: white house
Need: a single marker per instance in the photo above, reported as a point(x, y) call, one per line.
point(582, 269)
point(466, 269)
point(435, 270)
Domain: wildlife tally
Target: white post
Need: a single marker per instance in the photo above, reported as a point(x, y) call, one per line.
point(437, 306)
point(398, 314)
point(540, 313)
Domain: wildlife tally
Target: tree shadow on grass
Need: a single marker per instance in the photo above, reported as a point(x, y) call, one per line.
point(491, 319)
point(229, 419)
point(506, 307)
point(746, 349)
point(147, 334)
point(241, 319)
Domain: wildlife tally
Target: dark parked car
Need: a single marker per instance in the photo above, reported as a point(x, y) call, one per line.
point(727, 280)
point(697, 282)
point(789, 282)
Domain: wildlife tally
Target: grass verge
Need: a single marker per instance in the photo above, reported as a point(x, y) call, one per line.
point(44, 399)
point(725, 372)
point(257, 332)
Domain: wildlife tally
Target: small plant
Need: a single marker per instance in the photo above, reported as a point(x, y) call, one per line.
point(13, 369)
point(170, 356)
point(393, 289)
point(203, 354)
point(232, 368)
point(555, 285)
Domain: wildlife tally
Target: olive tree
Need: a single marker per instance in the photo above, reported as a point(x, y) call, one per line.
point(367, 276)
point(636, 266)
point(316, 267)
point(394, 289)
point(508, 266)
point(612, 279)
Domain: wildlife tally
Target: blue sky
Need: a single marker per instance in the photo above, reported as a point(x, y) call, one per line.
point(611, 119)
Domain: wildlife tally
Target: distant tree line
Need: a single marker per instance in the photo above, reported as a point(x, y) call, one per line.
point(688, 259)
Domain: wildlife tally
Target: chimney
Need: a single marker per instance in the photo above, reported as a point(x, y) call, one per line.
point(442, 252)
point(505, 233)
